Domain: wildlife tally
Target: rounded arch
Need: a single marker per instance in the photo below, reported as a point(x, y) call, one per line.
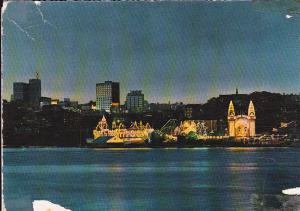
point(241, 127)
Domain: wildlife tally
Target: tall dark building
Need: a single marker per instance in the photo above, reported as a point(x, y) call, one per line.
point(107, 95)
point(34, 91)
point(135, 101)
point(116, 93)
point(20, 92)
point(28, 93)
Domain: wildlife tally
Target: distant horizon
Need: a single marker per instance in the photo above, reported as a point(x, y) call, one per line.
point(172, 51)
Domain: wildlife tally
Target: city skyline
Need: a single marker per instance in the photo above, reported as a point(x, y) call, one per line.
point(236, 91)
point(173, 52)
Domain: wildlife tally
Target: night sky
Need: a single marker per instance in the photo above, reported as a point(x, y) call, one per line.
point(173, 51)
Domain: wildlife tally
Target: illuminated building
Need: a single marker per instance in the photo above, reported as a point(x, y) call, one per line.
point(107, 95)
point(137, 133)
point(45, 101)
point(200, 127)
point(54, 101)
point(94, 107)
point(240, 126)
point(135, 101)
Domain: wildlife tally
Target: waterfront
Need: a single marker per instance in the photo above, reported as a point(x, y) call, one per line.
point(152, 179)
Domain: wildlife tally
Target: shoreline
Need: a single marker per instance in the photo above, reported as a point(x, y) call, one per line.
point(152, 147)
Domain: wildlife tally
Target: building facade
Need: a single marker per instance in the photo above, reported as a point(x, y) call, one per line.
point(107, 95)
point(240, 126)
point(135, 101)
point(34, 91)
point(137, 133)
point(28, 93)
point(20, 92)
point(45, 101)
point(192, 110)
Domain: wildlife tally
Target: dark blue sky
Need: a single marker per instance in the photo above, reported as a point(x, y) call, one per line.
point(173, 51)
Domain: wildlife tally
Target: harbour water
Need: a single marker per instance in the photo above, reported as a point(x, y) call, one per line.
point(152, 179)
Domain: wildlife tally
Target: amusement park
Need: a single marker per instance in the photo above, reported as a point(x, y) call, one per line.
point(240, 131)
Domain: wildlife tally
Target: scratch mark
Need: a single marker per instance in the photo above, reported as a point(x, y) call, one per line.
point(32, 26)
point(45, 21)
point(20, 28)
point(38, 3)
point(262, 203)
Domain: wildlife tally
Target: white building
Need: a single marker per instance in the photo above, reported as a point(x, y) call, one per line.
point(107, 95)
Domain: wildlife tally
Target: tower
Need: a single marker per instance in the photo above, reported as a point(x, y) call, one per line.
point(135, 101)
point(107, 95)
point(34, 90)
point(231, 119)
point(20, 91)
point(102, 124)
point(37, 75)
point(251, 117)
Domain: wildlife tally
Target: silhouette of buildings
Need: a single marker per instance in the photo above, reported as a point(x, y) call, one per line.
point(20, 92)
point(34, 92)
point(28, 93)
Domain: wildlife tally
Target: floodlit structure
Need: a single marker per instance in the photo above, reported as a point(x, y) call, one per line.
point(241, 126)
point(201, 127)
point(136, 133)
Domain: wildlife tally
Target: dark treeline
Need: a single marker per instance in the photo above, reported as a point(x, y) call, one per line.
point(54, 126)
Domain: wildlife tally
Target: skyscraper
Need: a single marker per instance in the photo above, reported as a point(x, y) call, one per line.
point(34, 91)
point(135, 101)
point(30, 94)
point(107, 95)
point(20, 92)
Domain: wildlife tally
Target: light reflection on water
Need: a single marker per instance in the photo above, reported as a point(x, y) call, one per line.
point(151, 179)
point(242, 168)
point(122, 149)
point(242, 149)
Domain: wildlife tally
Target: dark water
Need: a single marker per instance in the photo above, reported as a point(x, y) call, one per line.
point(152, 179)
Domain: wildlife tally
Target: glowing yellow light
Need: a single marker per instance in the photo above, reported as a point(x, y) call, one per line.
point(54, 102)
point(115, 104)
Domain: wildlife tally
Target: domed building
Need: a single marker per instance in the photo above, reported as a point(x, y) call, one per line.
point(241, 126)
